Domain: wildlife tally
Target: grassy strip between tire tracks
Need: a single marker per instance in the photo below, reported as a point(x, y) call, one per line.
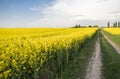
point(110, 60)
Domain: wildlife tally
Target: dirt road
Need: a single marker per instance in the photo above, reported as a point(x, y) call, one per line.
point(94, 67)
point(112, 43)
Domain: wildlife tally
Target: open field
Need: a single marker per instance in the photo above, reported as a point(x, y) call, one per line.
point(113, 34)
point(59, 39)
point(110, 60)
point(39, 53)
point(59, 53)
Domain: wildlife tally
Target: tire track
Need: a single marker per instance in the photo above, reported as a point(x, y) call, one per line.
point(111, 43)
point(94, 66)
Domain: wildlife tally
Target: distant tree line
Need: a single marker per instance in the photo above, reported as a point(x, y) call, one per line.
point(115, 24)
point(79, 26)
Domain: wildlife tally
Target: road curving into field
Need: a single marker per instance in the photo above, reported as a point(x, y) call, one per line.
point(111, 43)
point(94, 67)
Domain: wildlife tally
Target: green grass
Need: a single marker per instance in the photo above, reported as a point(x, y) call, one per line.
point(110, 60)
point(114, 38)
point(76, 70)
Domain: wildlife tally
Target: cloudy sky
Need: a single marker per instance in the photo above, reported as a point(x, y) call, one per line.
point(58, 13)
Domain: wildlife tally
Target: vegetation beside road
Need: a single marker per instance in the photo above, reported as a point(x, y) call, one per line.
point(110, 60)
point(77, 68)
point(113, 34)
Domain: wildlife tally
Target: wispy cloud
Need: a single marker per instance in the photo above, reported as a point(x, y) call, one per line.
point(115, 12)
point(69, 12)
point(102, 1)
point(66, 13)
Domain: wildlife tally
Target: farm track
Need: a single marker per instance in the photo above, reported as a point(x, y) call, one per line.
point(111, 43)
point(94, 67)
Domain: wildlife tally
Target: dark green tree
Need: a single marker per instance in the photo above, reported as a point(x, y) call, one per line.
point(79, 26)
point(119, 24)
point(90, 26)
point(95, 26)
point(76, 26)
point(115, 24)
point(108, 24)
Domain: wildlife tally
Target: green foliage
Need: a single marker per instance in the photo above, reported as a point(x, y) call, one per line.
point(114, 37)
point(108, 25)
point(110, 59)
point(77, 26)
point(90, 26)
point(77, 67)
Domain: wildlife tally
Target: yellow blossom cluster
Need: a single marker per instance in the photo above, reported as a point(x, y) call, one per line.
point(25, 50)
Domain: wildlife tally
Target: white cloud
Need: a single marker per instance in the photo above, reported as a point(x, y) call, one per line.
point(102, 1)
point(70, 12)
point(65, 13)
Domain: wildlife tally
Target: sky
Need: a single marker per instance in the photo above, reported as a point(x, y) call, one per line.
point(58, 13)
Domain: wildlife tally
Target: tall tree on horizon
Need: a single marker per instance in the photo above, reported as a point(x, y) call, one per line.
point(119, 24)
point(79, 25)
point(108, 24)
point(115, 24)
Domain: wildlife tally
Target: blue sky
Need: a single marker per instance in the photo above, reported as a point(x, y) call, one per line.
point(57, 13)
point(14, 13)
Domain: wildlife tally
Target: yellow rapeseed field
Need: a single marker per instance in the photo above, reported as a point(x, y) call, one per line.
point(114, 31)
point(26, 52)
